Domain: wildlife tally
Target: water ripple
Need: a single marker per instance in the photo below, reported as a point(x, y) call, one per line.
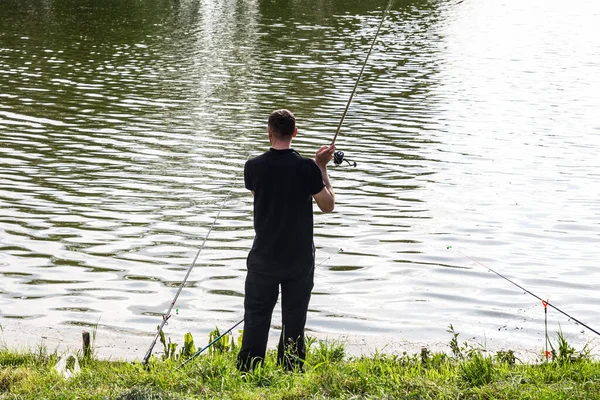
point(473, 126)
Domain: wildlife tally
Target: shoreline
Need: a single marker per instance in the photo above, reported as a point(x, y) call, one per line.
point(328, 373)
point(120, 346)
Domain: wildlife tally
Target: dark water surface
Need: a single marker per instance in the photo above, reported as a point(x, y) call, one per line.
point(124, 124)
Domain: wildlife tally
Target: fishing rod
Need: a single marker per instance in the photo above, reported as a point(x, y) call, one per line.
point(546, 303)
point(202, 350)
point(167, 315)
point(338, 157)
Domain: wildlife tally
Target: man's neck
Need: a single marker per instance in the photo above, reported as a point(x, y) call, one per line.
point(281, 145)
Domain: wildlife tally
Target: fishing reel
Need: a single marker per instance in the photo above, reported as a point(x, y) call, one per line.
point(338, 159)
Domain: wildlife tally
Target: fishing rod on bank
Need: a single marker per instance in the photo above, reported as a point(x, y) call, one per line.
point(338, 156)
point(202, 350)
point(546, 303)
point(167, 315)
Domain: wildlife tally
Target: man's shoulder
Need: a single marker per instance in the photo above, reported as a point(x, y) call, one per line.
point(257, 159)
point(290, 158)
point(309, 163)
point(300, 158)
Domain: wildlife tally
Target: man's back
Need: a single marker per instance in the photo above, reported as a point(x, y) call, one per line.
point(283, 183)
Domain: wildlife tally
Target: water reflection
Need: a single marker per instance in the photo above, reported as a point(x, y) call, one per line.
point(124, 125)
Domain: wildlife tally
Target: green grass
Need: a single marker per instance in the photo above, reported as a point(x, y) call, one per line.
point(465, 373)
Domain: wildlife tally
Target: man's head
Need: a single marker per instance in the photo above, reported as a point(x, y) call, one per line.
point(282, 125)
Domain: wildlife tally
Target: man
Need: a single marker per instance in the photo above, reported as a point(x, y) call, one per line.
point(283, 184)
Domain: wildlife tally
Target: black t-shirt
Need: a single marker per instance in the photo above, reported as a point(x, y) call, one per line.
point(283, 183)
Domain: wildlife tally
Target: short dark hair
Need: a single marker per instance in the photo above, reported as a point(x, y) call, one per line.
point(282, 123)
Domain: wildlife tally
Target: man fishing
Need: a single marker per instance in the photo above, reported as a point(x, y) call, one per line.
point(283, 184)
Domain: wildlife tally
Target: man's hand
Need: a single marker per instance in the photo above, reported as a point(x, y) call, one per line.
point(324, 155)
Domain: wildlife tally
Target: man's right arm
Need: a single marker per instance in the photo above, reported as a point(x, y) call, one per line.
point(326, 197)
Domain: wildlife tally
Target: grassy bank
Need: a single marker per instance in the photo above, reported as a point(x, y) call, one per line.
point(464, 373)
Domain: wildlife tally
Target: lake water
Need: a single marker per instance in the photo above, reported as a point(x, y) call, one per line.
point(124, 125)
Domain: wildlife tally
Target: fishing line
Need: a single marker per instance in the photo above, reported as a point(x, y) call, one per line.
point(544, 302)
point(339, 158)
point(166, 316)
point(196, 354)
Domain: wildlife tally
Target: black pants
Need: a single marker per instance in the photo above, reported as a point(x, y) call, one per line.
point(262, 291)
